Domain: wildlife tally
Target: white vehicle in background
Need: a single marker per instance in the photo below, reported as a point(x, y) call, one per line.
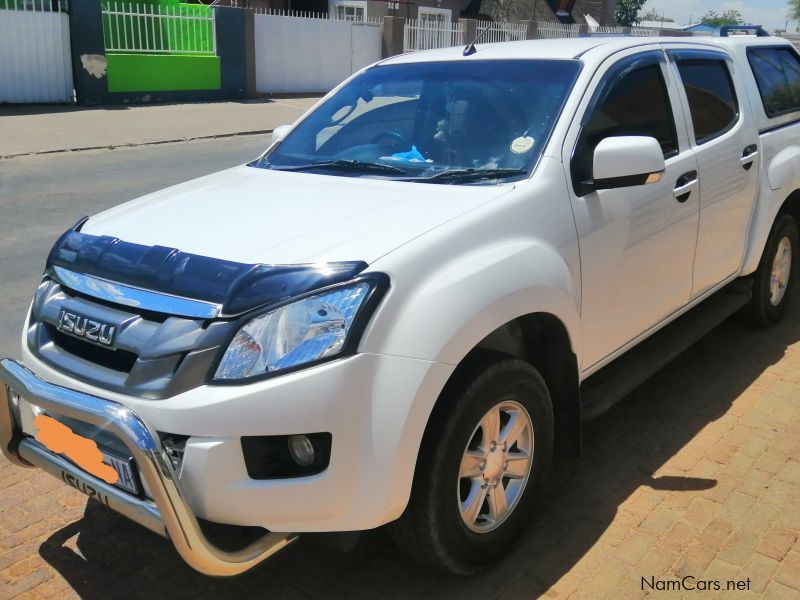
point(407, 306)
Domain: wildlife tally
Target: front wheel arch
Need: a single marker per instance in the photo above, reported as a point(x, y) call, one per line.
point(430, 529)
point(540, 339)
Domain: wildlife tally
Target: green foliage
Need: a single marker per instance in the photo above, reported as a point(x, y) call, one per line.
point(794, 9)
point(728, 17)
point(627, 12)
point(781, 96)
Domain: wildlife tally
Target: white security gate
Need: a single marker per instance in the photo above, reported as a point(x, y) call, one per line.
point(425, 34)
point(130, 28)
point(35, 63)
point(548, 30)
point(492, 33)
point(311, 54)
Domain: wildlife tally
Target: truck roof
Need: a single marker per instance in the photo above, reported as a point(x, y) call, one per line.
point(573, 48)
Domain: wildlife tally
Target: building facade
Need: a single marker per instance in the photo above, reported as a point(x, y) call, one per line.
point(565, 11)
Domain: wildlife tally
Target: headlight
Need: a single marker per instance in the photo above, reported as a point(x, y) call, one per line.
point(302, 332)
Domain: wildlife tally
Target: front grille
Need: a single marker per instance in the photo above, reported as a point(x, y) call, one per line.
point(155, 355)
point(121, 361)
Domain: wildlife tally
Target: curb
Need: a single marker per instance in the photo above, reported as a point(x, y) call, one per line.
point(138, 145)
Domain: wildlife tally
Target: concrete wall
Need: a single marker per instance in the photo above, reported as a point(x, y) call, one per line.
point(601, 10)
point(118, 79)
point(540, 10)
point(378, 8)
point(162, 72)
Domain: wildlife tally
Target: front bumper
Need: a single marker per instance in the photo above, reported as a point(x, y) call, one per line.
point(168, 515)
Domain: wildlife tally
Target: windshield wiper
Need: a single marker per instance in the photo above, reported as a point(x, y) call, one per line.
point(345, 165)
point(456, 175)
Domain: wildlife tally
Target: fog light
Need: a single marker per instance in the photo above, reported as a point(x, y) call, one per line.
point(284, 456)
point(301, 450)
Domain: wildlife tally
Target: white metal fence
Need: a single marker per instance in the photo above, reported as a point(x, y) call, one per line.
point(35, 63)
point(304, 14)
point(644, 32)
point(152, 29)
point(35, 5)
point(429, 35)
point(605, 29)
point(502, 32)
point(634, 31)
point(548, 30)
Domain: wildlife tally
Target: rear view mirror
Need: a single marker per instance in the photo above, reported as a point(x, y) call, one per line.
point(627, 161)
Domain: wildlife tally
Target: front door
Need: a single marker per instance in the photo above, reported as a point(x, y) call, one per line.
point(637, 243)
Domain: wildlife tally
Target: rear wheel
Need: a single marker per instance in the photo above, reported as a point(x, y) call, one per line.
point(485, 457)
point(774, 278)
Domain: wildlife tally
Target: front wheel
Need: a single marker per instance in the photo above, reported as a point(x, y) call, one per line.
point(484, 459)
point(774, 278)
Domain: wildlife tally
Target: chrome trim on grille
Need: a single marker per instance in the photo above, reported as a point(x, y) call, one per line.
point(136, 297)
point(154, 465)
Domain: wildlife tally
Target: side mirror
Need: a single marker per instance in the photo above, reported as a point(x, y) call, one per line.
point(280, 132)
point(627, 161)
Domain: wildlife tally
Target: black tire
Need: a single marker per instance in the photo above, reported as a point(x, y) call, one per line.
point(432, 530)
point(762, 309)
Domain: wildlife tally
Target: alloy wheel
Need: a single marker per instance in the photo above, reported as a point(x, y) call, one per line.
point(781, 271)
point(495, 466)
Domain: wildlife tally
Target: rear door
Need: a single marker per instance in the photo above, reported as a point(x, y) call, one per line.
point(637, 243)
point(723, 135)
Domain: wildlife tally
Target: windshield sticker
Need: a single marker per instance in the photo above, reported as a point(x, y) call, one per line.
point(521, 145)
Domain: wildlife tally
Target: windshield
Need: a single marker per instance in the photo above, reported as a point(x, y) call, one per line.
point(444, 122)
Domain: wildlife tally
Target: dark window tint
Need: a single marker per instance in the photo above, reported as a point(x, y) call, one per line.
point(636, 104)
point(777, 72)
point(712, 99)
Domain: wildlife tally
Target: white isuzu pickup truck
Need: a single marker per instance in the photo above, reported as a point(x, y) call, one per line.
point(403, 311)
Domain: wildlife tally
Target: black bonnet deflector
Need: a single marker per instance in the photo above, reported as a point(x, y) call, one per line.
point(238, 287)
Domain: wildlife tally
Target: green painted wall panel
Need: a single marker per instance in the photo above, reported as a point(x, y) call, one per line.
point(162, 72)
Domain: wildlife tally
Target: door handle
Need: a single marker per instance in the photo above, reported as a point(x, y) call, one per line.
point(749, 156)
point(684, 186)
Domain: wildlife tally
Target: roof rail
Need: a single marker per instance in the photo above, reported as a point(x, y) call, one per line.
point(725, 30)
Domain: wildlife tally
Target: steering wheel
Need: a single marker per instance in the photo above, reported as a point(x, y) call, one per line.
point(398, 138)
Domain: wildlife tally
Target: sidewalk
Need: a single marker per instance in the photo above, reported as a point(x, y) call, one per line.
point(44, 129)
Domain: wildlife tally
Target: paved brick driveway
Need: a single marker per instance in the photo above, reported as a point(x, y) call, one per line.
point(696, 473)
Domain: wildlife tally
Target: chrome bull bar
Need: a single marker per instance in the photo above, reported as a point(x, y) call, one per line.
point(169, 516)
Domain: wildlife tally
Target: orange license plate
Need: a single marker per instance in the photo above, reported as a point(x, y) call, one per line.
point(59, 438)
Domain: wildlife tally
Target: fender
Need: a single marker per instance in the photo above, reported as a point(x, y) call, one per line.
point(470, 297)
point(783, 178)
point(448, 306)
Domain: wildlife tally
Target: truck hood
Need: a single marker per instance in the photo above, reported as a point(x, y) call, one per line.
point(252, 215)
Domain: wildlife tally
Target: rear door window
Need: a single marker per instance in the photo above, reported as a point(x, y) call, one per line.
point(712, 98)
point(777, 73)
